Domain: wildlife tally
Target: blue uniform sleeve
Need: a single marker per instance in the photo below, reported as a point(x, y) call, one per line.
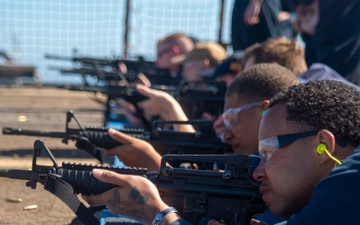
point(336, 197)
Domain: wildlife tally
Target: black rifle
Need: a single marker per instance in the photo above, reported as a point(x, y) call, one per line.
point(197, 97)
point(127, 92)
point(231, 194)
point(112, 93)
point(140, 65)
point(89, 139)
point(203, 141)
point(99, 74)
point(100, 66)
point(90, 61)
point(165, 141)
point(148, 68)
point(194, 97)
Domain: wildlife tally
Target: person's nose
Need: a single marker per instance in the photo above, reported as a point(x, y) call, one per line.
point(227, 136)
point(219, 126)
point(259, 172)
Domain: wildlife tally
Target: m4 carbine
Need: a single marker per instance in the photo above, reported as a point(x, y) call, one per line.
point(127, 92)
point(196, 98)
point(230, 194)
point(103, 68)
point(165, 141)
point(89, 139)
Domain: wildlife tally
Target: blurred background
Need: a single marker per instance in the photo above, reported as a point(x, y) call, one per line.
point(109, 29)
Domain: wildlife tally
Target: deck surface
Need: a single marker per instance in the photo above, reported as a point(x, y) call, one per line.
point(40, 108)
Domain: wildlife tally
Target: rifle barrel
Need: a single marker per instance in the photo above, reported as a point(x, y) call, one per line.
point(57, 57)
point(16, 174)
point(36, 133)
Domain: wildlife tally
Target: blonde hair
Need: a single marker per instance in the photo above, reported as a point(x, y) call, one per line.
point(280, 50)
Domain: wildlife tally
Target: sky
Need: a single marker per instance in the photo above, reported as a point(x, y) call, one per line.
point(30, 29)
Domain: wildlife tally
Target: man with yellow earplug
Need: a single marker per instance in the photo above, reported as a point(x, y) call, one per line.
point(309, 143)
point(306, 132)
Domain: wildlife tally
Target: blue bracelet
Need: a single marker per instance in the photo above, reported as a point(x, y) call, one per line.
point(161, 215)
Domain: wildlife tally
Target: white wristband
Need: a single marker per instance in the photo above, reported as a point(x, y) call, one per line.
point(161, 215)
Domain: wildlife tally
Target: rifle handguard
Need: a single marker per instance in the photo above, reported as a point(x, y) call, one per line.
point(80, 178)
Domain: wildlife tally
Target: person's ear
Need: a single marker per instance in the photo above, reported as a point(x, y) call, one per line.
point(206, 64)
point(177, 51)
point(327, 138)
point(264, 106)
point(326, 146)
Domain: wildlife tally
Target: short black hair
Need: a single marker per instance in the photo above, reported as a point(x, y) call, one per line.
point(262, 81)
point(324, 104)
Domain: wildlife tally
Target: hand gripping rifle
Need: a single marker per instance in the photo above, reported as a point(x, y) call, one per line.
point(231, 194)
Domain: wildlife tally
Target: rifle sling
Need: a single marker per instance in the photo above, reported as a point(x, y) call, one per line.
point(65, 193)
